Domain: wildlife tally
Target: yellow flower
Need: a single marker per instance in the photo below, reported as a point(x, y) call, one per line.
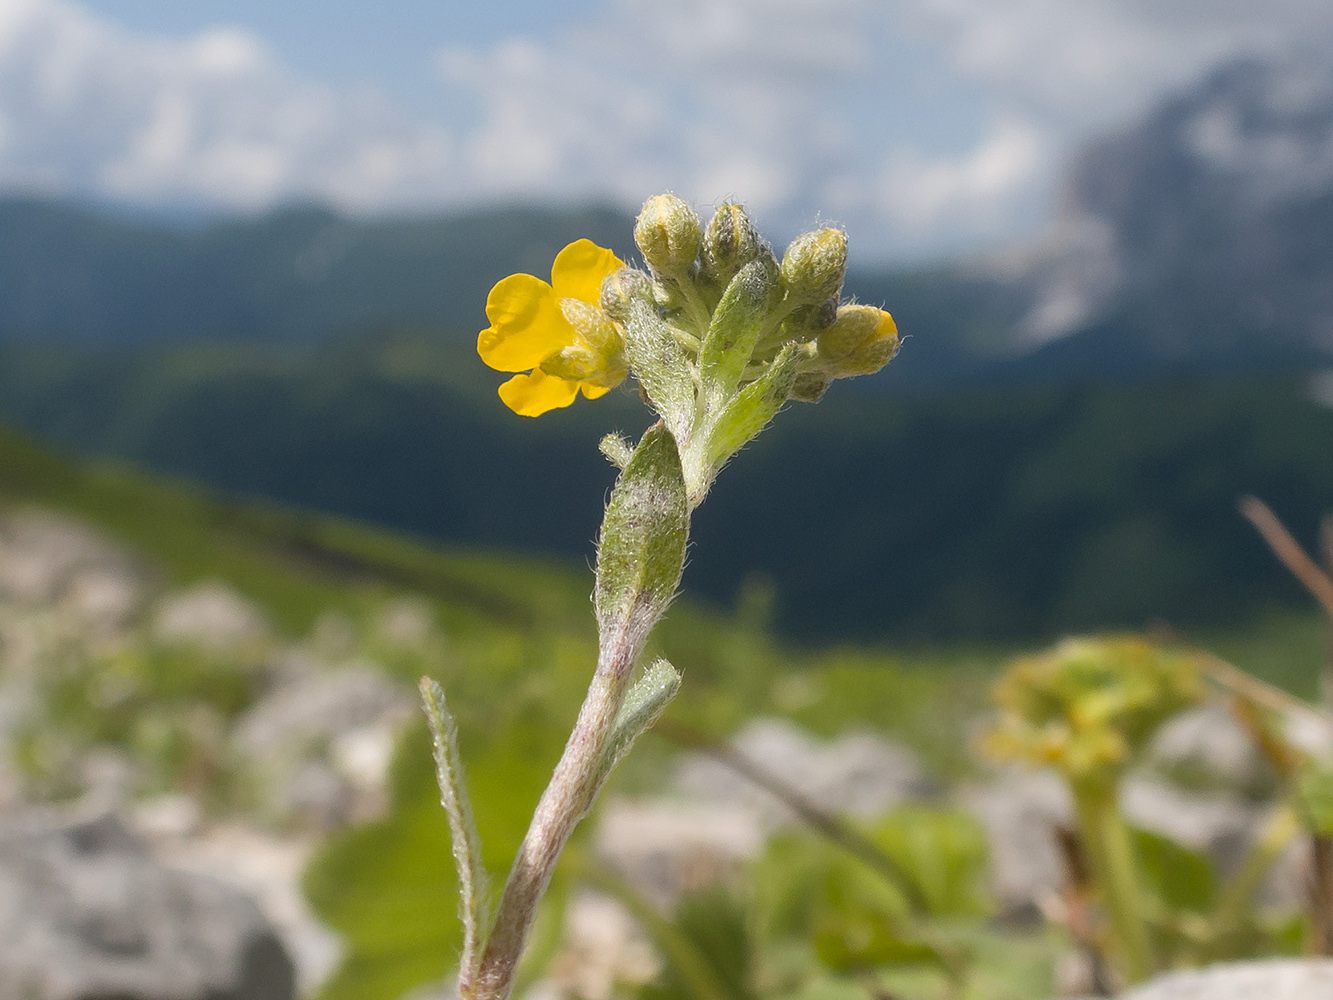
point(556, 335)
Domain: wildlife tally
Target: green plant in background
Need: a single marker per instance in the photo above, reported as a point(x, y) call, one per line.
point(719, 335)
point(1087, 708)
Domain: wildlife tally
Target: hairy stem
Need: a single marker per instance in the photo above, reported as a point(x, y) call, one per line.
point(566, 800)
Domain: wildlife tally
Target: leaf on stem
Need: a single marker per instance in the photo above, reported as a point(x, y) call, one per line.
point(641, 553)
point(643, 706)
point(464, 840)
point(660, 365)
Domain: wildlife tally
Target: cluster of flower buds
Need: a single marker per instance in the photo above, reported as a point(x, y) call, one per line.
point(720, 333)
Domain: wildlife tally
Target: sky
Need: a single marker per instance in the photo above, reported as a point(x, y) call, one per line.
point(927, 127)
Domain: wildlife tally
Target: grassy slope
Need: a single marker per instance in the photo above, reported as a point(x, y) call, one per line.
point(520, 646)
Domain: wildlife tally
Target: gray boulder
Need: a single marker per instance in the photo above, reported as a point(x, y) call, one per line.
point(86, 913)
point(860, 773)
point(1282, 979)
point(1206, 749)
point(1021, 810)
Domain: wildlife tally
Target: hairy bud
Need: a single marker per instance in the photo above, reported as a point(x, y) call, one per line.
point(620, 289)
point(814, 265)
point(861, 341)
point(730, 242)
point(668, 234)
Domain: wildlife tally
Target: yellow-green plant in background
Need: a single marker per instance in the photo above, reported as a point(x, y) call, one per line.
point(1087, 708)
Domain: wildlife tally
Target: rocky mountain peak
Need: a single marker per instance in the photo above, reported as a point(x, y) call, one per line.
point(1205, 225)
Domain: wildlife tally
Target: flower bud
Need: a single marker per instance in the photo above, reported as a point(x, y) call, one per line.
point(620, 289)
point(852, 327)
point(814, 265)
point(861, 341)
point(669, 234)
point(730, 242)
point(597, 354)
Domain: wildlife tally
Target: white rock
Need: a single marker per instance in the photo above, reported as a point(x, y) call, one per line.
point(1281, 979)
point(1020, 810)
point(860, 773)
point(212, 616)
point(667, 847)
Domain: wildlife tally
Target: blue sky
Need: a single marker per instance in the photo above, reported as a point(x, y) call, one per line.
point(927, 127)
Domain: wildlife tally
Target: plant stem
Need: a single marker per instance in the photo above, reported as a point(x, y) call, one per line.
point(1111, 857)
point(565, 801)
point(1281, 826)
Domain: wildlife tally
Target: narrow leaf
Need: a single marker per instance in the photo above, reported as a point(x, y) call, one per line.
point(756, 405)
point(734, 331)
point(643, 706)
point(660, 365)
point(464, 840)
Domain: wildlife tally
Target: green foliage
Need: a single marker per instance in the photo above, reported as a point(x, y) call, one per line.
point(811, 893)
point(715, 924)
point(642, 548)
point(1058, 508)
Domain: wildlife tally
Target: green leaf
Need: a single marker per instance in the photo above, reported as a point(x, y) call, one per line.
point(659, 363)
point(643, 706)
point(943, 852)
point(756, 405)
point(463, 838)
point(1315, 789)
point(1179, 878)
point(734, 331)
point(642, 550)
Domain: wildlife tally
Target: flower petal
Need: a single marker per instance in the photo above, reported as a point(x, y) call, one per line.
point(579, 269)
point(534, 394)
point(527, 325)
point(591, 391)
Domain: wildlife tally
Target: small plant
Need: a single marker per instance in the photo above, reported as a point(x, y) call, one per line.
point(1087, 708)
point(719, 335)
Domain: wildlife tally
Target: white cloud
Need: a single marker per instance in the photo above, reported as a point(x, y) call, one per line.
point(980, 188)
point(1083, 64)
point(91, 109)
point(924, 125)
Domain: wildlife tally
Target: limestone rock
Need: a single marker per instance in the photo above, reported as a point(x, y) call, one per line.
point(210, 616)
point(860, 774)
point(1020, 811)
point(87, 913)
point(1283, 979)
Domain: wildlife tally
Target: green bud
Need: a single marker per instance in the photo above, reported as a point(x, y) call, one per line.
point(730, 242)
point(620, 289)
point(810, 387)
point(861, 341)
point(852, 327)
point(734, 331)
point(668, 234)
point(814, 265)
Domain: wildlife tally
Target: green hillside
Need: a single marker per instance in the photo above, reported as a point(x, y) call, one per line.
point(1009, 511)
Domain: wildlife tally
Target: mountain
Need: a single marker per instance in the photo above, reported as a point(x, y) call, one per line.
point(1200, 237)
point(77, 274)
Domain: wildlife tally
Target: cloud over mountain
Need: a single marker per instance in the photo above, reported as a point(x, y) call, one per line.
point(926, 126)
